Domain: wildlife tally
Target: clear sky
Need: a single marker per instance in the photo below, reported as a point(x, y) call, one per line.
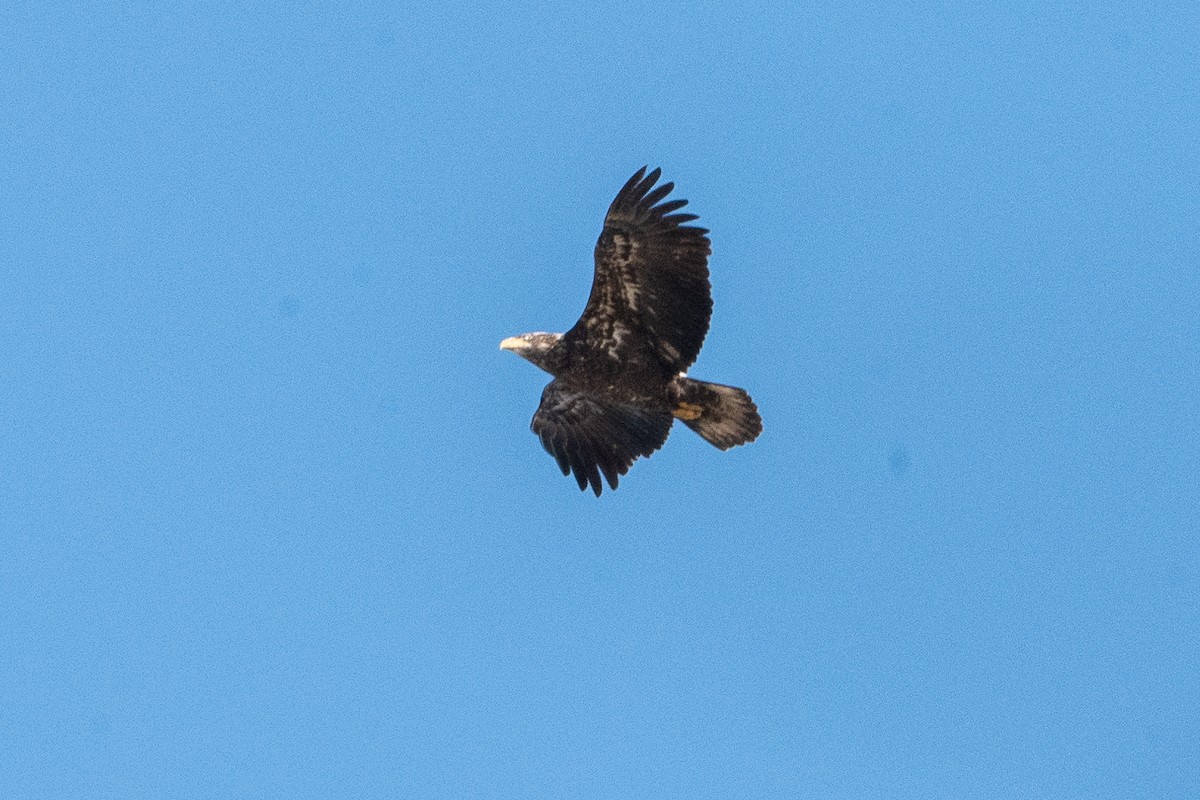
point(272, 523)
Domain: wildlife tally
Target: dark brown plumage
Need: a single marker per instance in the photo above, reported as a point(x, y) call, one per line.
point(620, 372)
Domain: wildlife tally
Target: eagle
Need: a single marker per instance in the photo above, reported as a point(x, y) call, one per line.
point(620, 374)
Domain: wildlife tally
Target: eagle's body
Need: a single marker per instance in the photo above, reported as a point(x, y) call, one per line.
point(620, 372)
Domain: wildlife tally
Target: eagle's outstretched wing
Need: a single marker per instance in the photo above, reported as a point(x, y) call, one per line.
point(589, 437)
point(650, 291)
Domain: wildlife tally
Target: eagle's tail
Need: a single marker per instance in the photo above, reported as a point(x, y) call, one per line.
point(724, 415)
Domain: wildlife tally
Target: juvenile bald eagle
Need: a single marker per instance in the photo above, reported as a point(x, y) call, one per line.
point(620, 374)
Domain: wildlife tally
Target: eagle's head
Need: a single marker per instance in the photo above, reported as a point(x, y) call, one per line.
point(536, 348)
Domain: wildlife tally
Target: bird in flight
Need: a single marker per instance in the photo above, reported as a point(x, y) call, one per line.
point(620, 374)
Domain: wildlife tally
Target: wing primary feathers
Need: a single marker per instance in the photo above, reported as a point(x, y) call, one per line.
point(610, 469)
point(559, 452)
point(580, 477)
point(577, 462)
point(649, 200)
point(647, 182)
point(667, 208)
point(555, 448)
point(592, 472)
point(626, 190)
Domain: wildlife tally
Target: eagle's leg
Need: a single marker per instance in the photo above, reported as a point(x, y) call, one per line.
point(688, 411)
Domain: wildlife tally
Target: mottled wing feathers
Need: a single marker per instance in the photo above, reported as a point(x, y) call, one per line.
point(651, 287)
point(592, 438)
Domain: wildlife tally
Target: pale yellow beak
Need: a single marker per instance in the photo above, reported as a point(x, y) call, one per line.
point(514, 343)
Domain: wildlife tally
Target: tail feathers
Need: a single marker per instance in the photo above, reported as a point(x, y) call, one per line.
point(727, 416)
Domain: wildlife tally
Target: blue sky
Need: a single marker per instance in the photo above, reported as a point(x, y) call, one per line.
point(272, 521)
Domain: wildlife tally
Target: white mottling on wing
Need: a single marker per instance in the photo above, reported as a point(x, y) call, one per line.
point(617, 337)
point(630, 290)
point(625, 256)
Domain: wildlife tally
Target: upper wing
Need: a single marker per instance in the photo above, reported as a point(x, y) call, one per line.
point(651, 284)
point(590, 437)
